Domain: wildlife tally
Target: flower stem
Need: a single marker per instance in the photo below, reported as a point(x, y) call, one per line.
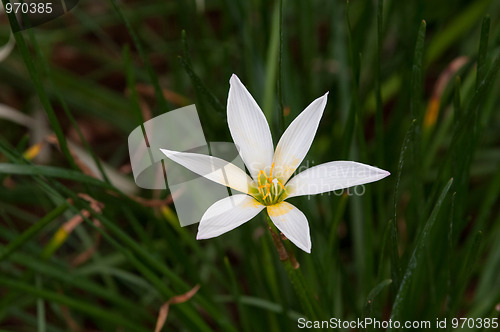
point(291, 266)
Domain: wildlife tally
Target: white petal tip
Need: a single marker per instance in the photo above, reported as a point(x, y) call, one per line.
point(169, 153)
point(305, 248)
point(323, 99)
point(234, 79)
point(166, 152)
point(203, 236)
point(325, 96)
point(381, 173)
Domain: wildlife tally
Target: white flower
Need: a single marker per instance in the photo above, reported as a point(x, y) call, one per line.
point(270, 183)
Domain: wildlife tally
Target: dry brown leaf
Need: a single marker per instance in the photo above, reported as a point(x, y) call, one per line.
point(87, 254)
point(162, 315)
point(173, 97)
point(52, 139)
point(67, 228)
point(432, 111)
point(72, 324)
point(152, 202)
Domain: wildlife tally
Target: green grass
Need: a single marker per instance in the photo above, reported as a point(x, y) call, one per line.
point(419, 245)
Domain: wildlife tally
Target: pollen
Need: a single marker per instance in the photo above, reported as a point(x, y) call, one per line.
point(269, 190)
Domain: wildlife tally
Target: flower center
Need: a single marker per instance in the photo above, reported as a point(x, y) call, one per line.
point(269, 190)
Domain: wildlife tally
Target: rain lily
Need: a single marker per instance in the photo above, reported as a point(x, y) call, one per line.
point(270, 182)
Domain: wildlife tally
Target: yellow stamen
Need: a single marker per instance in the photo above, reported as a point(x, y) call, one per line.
point(271, 174)
point(258, 176)
point(270, 190)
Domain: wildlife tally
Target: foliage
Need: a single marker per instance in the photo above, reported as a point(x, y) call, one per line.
point(418, 98)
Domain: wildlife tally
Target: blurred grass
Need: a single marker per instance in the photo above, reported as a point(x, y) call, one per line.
point(414, 246)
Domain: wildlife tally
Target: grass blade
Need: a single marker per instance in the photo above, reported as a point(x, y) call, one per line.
point(87, 308)
point(272, 65)
point(32, 231)
point(483, 50)
point(35, 76)
point(154, 79)
point(374, 293)
point(416, 256)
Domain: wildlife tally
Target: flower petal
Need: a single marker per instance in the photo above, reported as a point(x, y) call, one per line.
point(249, 128)
point(212, 168)
point(227, 214)
point(291, 222)
point(331, 176)
point(297, 139)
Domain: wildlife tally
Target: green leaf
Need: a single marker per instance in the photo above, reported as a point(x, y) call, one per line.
point(51, 171)
point(32, 231)
point(197, 82)
point(87, 308)
point(456, 29)
point(272, 65)
point(416, 257)
point(396, 271)
point(483, 50)
point(137, 43)
point(374, 293)
point(36, 78)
